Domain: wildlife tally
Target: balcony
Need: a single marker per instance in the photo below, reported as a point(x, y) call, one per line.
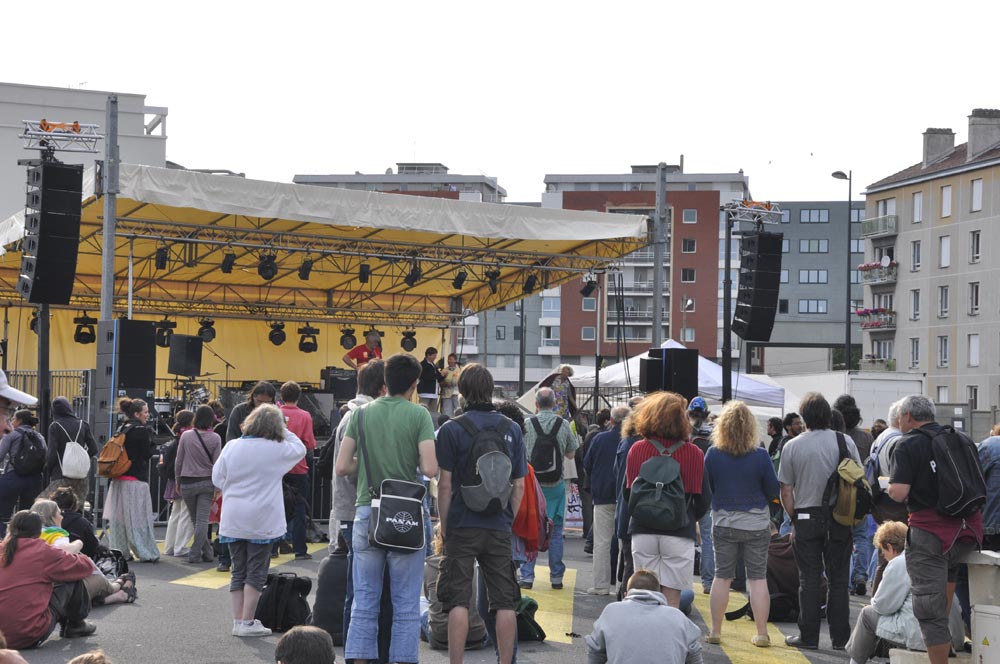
point(549, 347)
point(877, 320)
point(634, 315)
point(642, 256)
point(640, 286)
point(883, 226)
point(878, 364)
point(875, 273)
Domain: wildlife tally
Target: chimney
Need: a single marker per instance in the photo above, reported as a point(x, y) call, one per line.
point(984, 131)
point(937, 143)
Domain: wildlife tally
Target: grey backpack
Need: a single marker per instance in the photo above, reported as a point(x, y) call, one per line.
point(486, 484)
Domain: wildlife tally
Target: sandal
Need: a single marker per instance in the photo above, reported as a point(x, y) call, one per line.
point(132, 593)
point(713, 638)
point(125, 578)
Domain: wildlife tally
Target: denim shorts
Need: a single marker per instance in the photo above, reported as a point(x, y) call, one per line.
point(731, 542)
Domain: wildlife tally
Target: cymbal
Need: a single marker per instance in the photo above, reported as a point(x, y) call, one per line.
point(205, 375)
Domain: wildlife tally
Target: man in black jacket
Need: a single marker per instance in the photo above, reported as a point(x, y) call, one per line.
point(427, 385)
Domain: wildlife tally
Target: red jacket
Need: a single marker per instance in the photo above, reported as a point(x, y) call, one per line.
point(300, 422)
point(26, 586)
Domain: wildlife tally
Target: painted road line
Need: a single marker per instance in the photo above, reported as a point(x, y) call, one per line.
point(555, 607)
point(736, 635)
point(210, 579)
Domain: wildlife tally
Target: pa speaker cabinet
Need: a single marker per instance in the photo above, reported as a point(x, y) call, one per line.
point(126, 367)
point(185, 355)
point(680, 371)
point(650, 374)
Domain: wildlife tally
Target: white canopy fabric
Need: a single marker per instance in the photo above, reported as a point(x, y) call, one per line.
point(749, 390)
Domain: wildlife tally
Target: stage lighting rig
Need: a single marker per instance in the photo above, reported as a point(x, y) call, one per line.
point(307, 339)
point(347, 339)
point(277, 334)
point(268, 267)
point(228, 261)
point(409, 342)
point(85, 333)
point(164, 330)
point(207, 330)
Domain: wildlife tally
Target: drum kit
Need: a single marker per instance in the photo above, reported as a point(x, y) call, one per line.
point(191, 395)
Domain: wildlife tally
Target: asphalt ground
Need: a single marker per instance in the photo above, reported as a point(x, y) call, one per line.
point(183, 615)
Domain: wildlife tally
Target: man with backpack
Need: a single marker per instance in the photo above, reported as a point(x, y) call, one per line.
point(482, 464)
point(701, 435)
point(821, 544)
point(71, 448)
point(549, 442)
point(937, 472)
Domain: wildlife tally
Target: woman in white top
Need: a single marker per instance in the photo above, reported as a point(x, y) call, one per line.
point(249, 473)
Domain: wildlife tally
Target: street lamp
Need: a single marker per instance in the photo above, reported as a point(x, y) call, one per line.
point(839, 175)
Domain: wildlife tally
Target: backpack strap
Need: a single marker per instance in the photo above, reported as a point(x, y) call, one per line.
point(842, 446)
point(536, 426)
point(832, 481)
point(466, 423)
point(364, 452)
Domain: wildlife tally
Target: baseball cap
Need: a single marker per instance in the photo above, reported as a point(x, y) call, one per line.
point(16, 396)
point(698, 404)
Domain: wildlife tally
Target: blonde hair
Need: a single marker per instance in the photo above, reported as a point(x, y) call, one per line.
point(92, 657)
point(995, 431)
point(563, 367)
point(47, 509)
point(891, 534)
point(736, 430)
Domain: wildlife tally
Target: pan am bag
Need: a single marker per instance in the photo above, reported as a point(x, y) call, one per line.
point(397, 519)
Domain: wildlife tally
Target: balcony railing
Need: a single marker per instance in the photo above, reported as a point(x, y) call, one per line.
point(879, 226)
point(641, 315)
point(639, 286)
point(879, 322)
point(879, 275)
point(878, 364)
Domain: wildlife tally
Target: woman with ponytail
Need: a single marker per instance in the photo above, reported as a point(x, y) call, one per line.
point(129, 507)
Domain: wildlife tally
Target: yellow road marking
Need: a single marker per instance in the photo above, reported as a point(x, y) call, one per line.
point(213, 580)
point(555, 607)
point(736, 635)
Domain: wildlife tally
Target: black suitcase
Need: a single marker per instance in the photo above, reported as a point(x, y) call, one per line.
point(331, 590)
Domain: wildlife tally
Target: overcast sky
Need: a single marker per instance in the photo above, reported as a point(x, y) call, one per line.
point(787, 91)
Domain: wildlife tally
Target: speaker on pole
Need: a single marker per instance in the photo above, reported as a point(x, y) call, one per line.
point(760, 278)
point(670, 369)
point(185, 355)
point(52, 233)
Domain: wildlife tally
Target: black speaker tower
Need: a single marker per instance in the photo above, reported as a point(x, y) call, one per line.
point(760, 277)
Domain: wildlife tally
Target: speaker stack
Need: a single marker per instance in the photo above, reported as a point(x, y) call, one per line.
point(52, 233)
point(760, 278)
point(126, 367)
point(670, 369)
point(185, 355)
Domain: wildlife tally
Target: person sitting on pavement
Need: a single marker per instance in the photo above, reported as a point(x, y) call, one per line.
point(434, 620)
point(305, 644)
point(40, 586)
point(643, 629)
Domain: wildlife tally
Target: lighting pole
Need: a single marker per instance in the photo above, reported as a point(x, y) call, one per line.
point(847, 319)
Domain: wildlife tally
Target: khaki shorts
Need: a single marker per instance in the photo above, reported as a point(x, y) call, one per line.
point(670, 558)
point(729, 543)
point(491, 548)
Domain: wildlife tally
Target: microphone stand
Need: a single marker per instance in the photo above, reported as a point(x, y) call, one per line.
point(224, 361)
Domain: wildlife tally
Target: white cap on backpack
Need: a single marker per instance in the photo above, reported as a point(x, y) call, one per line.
point(15, 396)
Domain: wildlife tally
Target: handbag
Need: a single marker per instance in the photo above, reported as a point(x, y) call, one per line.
point(75, 461)
point(397, 519)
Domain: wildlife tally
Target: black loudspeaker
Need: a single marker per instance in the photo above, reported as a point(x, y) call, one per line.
point(760, 277)
point(671, 369)
point(135, 354)
point(185, 355)
point(52, 233)
point(342, 383)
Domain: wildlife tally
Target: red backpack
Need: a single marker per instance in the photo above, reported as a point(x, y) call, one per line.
point(531, 523)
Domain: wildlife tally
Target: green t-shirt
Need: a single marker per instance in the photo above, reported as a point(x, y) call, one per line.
point(393, 429)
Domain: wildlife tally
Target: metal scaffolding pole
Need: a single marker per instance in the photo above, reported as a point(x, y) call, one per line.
point(110, 185)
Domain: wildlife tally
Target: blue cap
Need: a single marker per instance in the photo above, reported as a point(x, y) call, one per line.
point(698, 404)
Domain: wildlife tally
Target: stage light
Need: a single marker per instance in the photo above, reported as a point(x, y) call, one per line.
point(164, 329)
point(162, 254)
point(588, 288)
point(277, 334)
point(33, 325)
point(228, 261)
point(364, 273)
point(85, 333)
point(530, 284)
point(493, 278)
point(413, 277)
point(305, 269)
point(409, 342)
point(207, 330)
point(459, 279)
point(347, 339)
point(307, 339)
point(268, 267)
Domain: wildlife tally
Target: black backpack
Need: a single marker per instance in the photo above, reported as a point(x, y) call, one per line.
point(486, 486)
point(331, 593)
point(961, 485)
point(326, 461)
point(28, 458)
point(547, 455)
point(283, 602)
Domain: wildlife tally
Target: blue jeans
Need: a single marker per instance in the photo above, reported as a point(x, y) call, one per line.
point(707, 551)
point(863, 549)
point(406, 574)
point(786, 525)
point(297, 526)
point(385, 608)
point(555, 503)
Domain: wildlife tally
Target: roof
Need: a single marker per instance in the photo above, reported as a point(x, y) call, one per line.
point(954, 162)
point(198, 218)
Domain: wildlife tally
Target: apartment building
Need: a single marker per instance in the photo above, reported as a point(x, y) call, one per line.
point(928, 306)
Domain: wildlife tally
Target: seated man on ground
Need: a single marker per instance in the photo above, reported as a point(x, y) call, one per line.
point(434, 621)
point(305, 645)
point(643, 628)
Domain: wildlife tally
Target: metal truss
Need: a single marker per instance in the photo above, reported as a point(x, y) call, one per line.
point(60, 136)
point(754, 212)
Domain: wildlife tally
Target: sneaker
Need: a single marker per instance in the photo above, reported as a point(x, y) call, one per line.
point(761, 640)
point(223, 567)
point(74, 630)
point(253, 629)
point(525, 584)
point(797, 642)
point(598, 591)
point(274, 553)
point(588, 548)
point(557, 585)
point(860, 588)
point(303, 556)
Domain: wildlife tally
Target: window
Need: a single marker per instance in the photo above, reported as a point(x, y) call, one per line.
point(857, 246)
point(977, 195)
point(946, 200)
point(885, 301)
point(689, 216)
point(857, 304)
point(687, 275)
point(784, 276)
point(857, 216)
point(944, 251)
point(812, 276)
point(942, 394)
point(914, 352)
point(880, 252)
point(915, 256)
point(855, 276)
point(812, 306)
point(814, 246)
point(942, 358)
point(517, 333)
point(734, 251)
point(882, 349)
point(687, 334)
point(973, 350)
point(782, 306)
point(942, 301)
point(886, 206)
point(973, 298)
point(974, 246)
point(501, 332)
point(915, 304)
point(588, 333)
point(785, 216)
point(518, 305)
point(550, 307)
point(589, 304)
point(785, 247)
point(814, 216)
point(972, 395)
point(918, 207)
point(688, 245)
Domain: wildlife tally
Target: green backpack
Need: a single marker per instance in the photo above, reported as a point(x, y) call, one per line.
point(657, 497)
point(528, 628)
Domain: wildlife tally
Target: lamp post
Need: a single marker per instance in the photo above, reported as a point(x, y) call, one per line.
point(839, 175)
